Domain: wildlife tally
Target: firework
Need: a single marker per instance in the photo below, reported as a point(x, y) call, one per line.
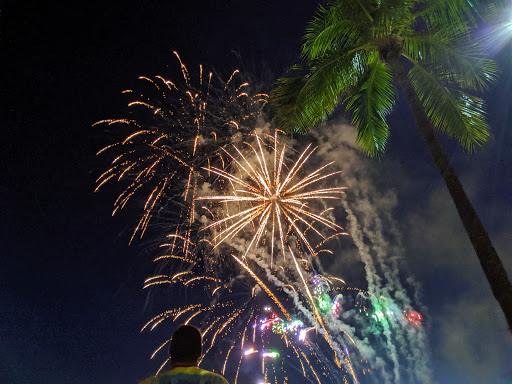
point(173, 130)
point(271, 197)
point(245, 313)
point(233, 314)
point(290, 197)
point(191, 142)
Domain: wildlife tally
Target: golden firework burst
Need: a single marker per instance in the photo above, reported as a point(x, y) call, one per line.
point(273, 197)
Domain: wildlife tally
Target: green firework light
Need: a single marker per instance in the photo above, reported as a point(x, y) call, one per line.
point(323, 302)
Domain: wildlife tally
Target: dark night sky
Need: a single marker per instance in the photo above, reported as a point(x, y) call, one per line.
point(71, 306)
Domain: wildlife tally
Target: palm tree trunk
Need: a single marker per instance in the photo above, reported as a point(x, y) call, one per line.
point(487, 255)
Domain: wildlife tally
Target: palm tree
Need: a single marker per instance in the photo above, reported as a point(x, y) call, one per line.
point(354, 53)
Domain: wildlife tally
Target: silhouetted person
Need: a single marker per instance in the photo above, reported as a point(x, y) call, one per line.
point(185, 352)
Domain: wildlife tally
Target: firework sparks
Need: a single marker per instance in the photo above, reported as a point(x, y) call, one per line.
point(175, 130)
point(275, 198)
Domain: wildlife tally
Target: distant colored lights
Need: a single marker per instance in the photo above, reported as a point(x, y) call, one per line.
point(250, 351)
point(271, 354)
point(413, 317)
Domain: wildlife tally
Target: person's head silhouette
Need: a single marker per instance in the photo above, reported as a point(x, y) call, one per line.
point(185, 352)
point(186, 346)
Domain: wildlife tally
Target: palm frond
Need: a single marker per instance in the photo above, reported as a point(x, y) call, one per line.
point(454, 59)
point(436, 13)
point(359, 12)
point(323, 36)
point(491, 11)
point(342, 64)
point(285, 99)
point(312, 92)
point(370, 104)
point(391, 16)
point(469, 73)
point(420, 45)
point(454, 112)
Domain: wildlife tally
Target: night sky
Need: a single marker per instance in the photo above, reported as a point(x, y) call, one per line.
point(71, 303)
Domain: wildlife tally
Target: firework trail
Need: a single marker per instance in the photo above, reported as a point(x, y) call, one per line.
point(375, 234)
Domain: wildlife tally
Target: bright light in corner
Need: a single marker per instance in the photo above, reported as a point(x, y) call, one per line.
point(497, 35)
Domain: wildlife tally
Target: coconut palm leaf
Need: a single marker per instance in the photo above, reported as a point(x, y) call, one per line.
point(389, 18)
point(324, 35)
point(417, 46)
point(313, 92)
point(456, 61)
point(475, 74)
point(437, 13)
point(289, 110)
point(370, 104)
point(360, 12)
point(456, 113)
